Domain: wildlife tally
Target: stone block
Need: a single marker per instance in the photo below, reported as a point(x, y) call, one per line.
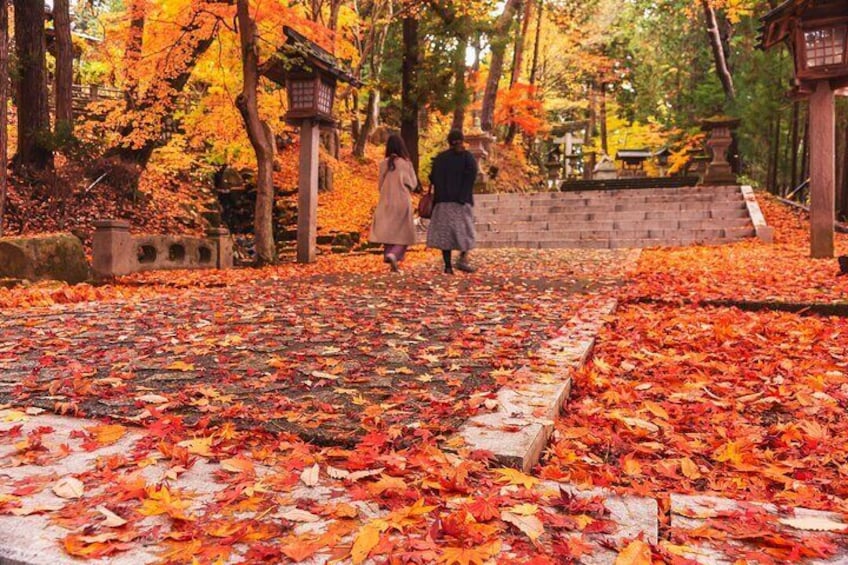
point(44, 257)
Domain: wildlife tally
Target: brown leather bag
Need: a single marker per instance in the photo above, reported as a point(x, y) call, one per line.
point(425, 205)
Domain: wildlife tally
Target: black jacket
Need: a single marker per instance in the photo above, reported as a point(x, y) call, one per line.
point(453, 177)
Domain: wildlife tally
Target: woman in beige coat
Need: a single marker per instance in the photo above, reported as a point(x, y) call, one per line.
point(393, 224)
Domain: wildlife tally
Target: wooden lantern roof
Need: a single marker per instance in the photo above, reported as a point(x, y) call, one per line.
point(299, 55)
point(633, 155)
point(792, 22)
point(779, 24)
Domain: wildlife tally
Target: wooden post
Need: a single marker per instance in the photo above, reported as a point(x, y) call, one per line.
point(307, 192)
point(822, 170)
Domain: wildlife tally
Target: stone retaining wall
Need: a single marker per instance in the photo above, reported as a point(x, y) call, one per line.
point(116, 252)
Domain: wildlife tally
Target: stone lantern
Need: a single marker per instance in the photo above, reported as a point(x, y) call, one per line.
point(718, 171)
point(816, 33)
point(310, 75)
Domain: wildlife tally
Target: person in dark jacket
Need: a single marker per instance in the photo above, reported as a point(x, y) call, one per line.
point(452, 224)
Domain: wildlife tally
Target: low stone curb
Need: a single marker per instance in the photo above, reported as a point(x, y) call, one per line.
point(689, 512)
point(764, 232)
point(517, 432)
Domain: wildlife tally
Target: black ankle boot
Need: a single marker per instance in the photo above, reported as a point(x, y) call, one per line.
point(448, 270)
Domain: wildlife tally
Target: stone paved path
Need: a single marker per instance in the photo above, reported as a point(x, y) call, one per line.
point(326, 357)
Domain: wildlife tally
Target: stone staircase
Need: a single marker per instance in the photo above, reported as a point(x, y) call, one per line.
point(606, 219)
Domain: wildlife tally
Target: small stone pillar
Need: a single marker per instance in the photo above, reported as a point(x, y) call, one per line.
point(223, 247)
point(718, 170)
point(480, 145)
point(112, 248)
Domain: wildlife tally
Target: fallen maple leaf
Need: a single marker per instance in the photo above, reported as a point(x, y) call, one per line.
point(515, 477)
point(469, 555)
point(161, 501)
point(637, 552)
point(69, 487)
point(180, 366)
point(367, 539)
point(112, 520)
point(107, 434)
point(528, 524)
point(310, 475)
point(238, 464)
point(198, 446)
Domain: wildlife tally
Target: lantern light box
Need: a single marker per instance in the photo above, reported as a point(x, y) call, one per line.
point(309, 74)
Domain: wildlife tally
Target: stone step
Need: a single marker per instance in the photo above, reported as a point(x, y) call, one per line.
point(611, 224)
point(601, 243)
point(606, 215)
point(578, 195)
point(600, 201)
point(611, 206)
point(612, 235)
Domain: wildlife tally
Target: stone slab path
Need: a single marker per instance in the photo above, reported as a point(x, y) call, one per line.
point(309, 355)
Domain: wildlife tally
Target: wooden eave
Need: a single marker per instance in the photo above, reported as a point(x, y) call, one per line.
point(302, 55)
point(779, 24)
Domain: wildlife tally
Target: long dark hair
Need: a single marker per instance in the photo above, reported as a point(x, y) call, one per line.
point(395, 147)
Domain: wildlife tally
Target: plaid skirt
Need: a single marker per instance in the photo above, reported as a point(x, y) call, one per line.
point(452, 226)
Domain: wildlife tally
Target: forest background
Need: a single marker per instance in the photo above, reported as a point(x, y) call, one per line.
point(181, 101)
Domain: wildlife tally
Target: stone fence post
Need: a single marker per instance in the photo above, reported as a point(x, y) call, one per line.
point(112, 251)
point(223, 245)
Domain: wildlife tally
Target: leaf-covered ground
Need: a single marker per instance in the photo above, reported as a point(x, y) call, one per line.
point(232, 371)
point(329, 357)
point(240, 369)
point(690, 398)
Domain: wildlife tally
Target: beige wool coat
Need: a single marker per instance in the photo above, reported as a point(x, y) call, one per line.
point(393, 219)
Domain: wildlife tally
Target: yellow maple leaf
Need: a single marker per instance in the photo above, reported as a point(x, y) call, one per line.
point(161, 501)
point(515, 477)
point(107, 434)
point(198, 446)
point(238, 464)
point(367, 539)
point(636, 553)
point(469, 555)
point(690, 469)
point(656, 409)
point(180, 366)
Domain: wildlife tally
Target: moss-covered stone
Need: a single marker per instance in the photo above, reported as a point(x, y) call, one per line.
point(55, 256)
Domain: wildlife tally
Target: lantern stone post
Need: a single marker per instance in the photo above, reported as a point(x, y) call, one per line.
point(822, 170)
point(307, 192)
point(816, 32)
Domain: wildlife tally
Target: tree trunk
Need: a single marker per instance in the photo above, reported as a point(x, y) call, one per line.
point(410, 91)
point(719, 54)
point(589, 169)
point(841, 161)
point(602, 118)
point(460, 90)
point(498, 40)
point(794, 145)
point(520, 40)
point(132, 52)
point(64, 66)
point(33, 109)
point(4, 102)
point(775, 157)
point(260, 136)
point(371, 114)
point(539, 19)
point(518, 58)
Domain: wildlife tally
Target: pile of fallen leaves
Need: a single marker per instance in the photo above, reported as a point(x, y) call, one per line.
point(683, 397)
